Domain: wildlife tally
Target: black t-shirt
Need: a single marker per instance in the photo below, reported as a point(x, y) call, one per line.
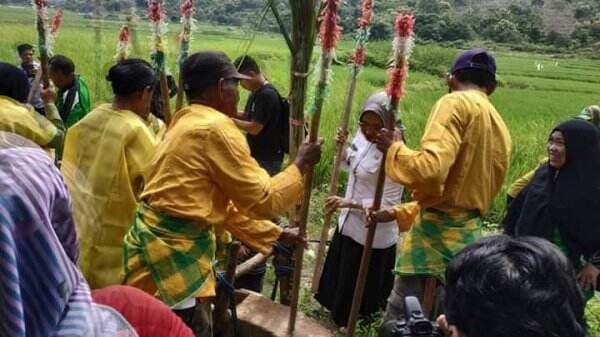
point(264, 107)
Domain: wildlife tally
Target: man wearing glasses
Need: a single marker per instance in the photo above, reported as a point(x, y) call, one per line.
point(203, 179)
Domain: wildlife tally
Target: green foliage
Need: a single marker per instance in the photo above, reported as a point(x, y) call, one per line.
point(531, 102)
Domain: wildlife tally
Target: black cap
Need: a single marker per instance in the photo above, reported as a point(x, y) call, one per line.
point(203, 69)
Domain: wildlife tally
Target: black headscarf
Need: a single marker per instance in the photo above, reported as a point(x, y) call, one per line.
point(568, 198)
point(14, 83)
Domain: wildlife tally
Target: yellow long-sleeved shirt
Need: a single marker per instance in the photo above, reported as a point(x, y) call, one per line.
point(204, 162)
point(23, 120)
point(203, 171)
point(104, 158)
point(518, 185)
point(464, 155)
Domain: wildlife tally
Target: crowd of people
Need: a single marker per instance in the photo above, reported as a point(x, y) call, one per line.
point(111, 220)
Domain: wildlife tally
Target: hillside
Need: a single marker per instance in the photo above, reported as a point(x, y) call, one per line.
point(562, 23)
point(557, 15)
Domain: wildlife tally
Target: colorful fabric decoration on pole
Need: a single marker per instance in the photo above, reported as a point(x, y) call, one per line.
point(358, 60)
point(403, 43)
point(55, 24)
point(157, 15)
point(187, 21)
point(329, 36)
point(362, 34)
point(185, 38)
point(123, 44)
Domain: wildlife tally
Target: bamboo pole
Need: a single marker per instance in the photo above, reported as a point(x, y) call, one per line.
point(361, 38)
point(187, 12)
point(157, 16)
point(303, 38)
point(164, 94)
point(41, 8)
point(402, 45)
point(329, 36)
point(223, 299)
point(333, 185)
point(97, 42)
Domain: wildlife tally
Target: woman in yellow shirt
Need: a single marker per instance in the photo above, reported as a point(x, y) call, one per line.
point(20, 118)
point(104, 158)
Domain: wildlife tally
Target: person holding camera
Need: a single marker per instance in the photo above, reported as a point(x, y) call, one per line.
point(455, 176)
point(502, 286)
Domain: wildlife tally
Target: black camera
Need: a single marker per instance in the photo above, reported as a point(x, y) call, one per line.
point(413, 324)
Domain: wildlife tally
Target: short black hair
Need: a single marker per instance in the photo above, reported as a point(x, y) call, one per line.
point(245, 64)
point(504, 286)
point(131, 75)
point(14, 82)
point(23, 48)
point(480, 78)
point(61, 63)
point(204, 69)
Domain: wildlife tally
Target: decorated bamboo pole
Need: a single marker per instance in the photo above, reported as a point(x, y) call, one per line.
point(358, 59)
point(123, 44)
point(329, 36)
point(55, 24)
point(187, 22)
point(157, 15)
point(403, 43)
point(97, 42)
point(303, 39)
point(41, 14)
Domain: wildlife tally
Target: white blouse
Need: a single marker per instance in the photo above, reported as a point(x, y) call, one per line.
point(363, 162)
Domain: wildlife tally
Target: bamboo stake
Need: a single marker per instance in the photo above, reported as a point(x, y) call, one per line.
point(250, 264)
point(329, 36)
point(97, 42)
point(187, 21)
point(223, 299)
point(157, 16)
point(361, 38)
point(41, 8)
point(402, 45)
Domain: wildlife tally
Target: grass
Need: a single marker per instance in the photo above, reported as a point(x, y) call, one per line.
point(531, 102)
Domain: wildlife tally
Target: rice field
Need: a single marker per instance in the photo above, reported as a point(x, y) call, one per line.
point(530, 101)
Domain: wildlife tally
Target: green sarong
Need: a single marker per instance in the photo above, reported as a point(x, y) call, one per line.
point(434, 239)
point(178, 253)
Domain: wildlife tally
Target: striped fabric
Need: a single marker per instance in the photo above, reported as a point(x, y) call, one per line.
point(43, 293)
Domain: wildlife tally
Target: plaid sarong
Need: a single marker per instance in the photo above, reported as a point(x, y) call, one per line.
point(434, 239)
point(177, 253)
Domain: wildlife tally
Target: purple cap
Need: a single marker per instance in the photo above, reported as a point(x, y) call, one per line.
point(477, 58)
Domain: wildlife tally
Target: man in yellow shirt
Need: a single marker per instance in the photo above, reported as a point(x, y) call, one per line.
point(201, 177)
point(105, 156)
point(455, 176)
point(20, 118)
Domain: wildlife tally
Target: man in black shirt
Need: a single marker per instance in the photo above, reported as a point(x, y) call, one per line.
point(263, 117)
point(262, 122)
